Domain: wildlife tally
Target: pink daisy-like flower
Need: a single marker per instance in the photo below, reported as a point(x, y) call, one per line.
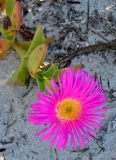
point(72, 111)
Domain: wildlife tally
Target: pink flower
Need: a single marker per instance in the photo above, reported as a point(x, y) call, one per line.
point(72, 112)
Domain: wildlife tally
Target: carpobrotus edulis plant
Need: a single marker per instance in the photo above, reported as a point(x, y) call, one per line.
point(73, 109)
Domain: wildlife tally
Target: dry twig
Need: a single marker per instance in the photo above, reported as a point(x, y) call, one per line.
point(85, 50)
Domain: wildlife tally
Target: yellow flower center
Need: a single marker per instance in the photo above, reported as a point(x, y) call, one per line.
point(69, 109)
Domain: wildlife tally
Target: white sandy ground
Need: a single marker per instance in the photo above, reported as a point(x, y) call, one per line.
point(16, 135)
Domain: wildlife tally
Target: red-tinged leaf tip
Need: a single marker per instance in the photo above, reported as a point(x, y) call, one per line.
point(2, 3)
point(16, 17)
point(5, 46)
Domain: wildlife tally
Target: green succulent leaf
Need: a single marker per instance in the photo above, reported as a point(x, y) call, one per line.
point(56, 73)
point(21, 48)
point(20, 76)
point(8, 34)
point(43, 77)
point(38, 39)
point(42, 82)
point(40, 85)
point(9, 5)
point(49, 72)
point(36, 58)
point(23, 44)
point(48, 83)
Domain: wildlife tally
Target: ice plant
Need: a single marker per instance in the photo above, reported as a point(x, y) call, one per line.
point(31, 52)
point(72, 110)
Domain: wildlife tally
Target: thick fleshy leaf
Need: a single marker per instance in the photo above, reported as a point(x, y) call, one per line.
point(56, 72)
point(9, 5)
point(20, 76)
point(9, 33)
point(36, 58)
point(48, 73)
point(5, 46)
point(43, 77)
point(42, 82)
point(16, 17)
point(23, 44)
point(21, 48)
point(38, 39)
point(2, 5)
point(52, 71)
